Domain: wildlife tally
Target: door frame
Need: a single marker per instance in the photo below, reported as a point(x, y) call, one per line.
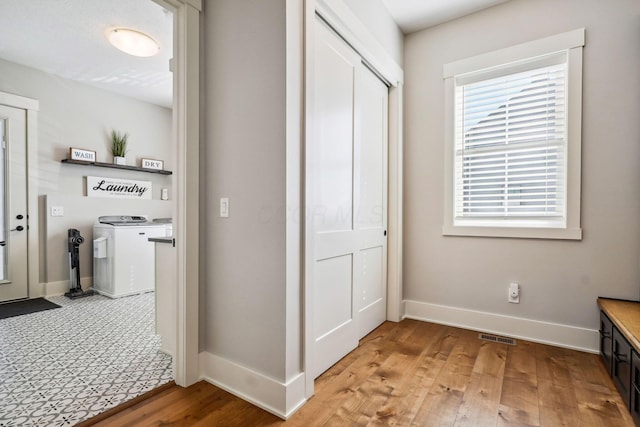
point(31, 106)
point(186, 211)
point(343, 20)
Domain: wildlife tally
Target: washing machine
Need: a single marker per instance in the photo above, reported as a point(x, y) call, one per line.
point(123, 257)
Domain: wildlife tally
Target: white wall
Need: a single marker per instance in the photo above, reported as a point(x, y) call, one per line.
point(374, 15)
point(560, 280)
point(73, 114)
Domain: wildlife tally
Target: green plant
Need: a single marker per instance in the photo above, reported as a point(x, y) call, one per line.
point(119, 143)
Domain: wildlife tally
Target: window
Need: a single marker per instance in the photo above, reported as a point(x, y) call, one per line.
point(513, 141)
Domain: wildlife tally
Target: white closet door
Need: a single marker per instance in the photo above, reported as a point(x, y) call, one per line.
point(371, 144)
point(348, 159)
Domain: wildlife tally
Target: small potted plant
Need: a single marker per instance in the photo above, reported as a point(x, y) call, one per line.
point(119, 147)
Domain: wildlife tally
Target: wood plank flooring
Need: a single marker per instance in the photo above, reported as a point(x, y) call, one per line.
point(416, 374)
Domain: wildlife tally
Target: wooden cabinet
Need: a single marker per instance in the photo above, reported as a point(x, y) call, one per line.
point(621, 365)
point(606, 346)
point(634, 403)
point(620, 349)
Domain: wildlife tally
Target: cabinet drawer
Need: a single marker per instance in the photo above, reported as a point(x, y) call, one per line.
point(606, 342)
point(621, 369)
point(634, 404)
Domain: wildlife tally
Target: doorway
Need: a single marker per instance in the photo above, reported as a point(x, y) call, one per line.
point(185, 137)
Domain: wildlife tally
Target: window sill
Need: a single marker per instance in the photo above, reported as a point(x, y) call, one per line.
point(514, 232)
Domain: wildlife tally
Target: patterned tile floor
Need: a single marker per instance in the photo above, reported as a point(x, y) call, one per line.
point(59, 367)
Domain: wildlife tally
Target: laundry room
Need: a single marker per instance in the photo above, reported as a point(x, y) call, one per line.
point(69, 100)
point(79, 109)
point(67, 199)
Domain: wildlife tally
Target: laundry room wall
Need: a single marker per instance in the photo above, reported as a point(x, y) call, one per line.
point(78, 115)
point(56, 256)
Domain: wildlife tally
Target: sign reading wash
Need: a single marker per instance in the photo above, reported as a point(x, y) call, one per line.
point(118, 188)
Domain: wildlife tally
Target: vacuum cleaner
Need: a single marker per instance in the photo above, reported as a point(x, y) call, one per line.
point(73, 242)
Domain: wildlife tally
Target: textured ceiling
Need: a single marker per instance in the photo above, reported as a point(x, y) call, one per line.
point(414, 15)
point(67, 38)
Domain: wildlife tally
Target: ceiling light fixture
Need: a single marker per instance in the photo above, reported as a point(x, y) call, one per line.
point(133, 42)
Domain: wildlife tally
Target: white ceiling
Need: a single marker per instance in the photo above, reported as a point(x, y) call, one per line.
point(67, 38)
point(414, 15)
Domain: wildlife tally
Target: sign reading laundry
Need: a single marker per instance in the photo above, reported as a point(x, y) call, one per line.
point(118, 188)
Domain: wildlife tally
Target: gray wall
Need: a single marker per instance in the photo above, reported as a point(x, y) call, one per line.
point(560, 280)
point(78, 115)
point(243, 296)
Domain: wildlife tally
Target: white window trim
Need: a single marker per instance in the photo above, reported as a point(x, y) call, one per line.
point(572, 42)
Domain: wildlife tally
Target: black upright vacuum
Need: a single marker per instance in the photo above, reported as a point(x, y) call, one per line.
point(74, 242)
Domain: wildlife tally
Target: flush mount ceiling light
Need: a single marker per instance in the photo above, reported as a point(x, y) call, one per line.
point(133, 42)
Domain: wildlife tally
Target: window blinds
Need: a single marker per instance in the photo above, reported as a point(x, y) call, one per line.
point(510, 146)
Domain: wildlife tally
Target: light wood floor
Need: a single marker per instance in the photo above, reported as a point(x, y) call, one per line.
point(418, 374)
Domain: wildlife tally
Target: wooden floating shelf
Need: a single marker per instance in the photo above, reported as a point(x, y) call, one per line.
point(114, 166)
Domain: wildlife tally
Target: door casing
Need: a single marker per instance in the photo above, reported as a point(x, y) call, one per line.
point(186, 137)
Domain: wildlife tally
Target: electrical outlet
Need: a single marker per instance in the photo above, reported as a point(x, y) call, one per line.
point(514, 293)
point(57, 211)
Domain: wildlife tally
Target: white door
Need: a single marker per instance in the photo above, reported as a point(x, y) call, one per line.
point(13, 204)
point(348, 164)
point(370, 172)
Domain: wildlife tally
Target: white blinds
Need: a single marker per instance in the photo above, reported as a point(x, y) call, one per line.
point(510, 151)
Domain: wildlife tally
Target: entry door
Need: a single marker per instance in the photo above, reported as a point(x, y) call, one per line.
point(348, 161)
point(13, 204)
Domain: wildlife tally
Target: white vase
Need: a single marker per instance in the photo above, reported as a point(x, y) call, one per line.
point(119, 160)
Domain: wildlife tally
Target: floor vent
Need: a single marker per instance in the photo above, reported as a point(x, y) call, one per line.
point(496, 338)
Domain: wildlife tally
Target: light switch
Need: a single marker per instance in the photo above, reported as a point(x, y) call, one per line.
point(224, 207)
point(57, 211)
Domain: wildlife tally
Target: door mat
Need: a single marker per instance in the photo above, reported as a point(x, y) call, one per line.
point(29, 306)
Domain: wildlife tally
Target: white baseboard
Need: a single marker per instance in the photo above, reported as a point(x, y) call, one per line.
point(280, 399)
point(52, 289)
point(555, 334)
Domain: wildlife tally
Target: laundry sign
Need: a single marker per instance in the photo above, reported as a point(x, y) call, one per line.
point(118, 188)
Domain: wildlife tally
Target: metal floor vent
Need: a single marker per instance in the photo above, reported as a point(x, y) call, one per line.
point(496, 338)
